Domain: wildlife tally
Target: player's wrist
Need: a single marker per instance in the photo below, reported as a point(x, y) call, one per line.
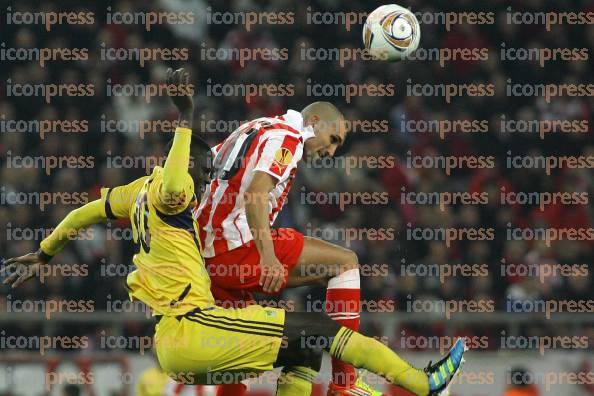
point(43, 256)
point(181, 129)
point(185, 118)
point(267, 251)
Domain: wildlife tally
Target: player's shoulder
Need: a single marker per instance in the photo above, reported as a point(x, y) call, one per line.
point(277, 129)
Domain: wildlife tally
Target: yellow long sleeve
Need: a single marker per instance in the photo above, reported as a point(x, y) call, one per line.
point(175, 170)
point(91, 213)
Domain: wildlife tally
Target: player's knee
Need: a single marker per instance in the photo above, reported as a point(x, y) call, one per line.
point(312, 358)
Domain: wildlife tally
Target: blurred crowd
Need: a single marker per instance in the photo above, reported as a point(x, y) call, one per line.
point(395, 254)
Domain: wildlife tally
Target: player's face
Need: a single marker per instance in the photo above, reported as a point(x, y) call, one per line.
point(329, 136)
point(200, 172)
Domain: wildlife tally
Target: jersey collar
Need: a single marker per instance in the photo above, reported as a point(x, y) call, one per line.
point(295, 120)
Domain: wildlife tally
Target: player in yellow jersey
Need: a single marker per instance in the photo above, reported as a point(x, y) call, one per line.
point(197, 342)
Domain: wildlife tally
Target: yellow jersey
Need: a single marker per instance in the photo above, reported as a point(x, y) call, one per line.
point(170, 275)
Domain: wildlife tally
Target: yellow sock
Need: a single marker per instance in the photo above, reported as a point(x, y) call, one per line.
point(370, 354)
point(295, 381)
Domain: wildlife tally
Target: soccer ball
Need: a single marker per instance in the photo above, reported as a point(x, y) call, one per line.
point(391, 32)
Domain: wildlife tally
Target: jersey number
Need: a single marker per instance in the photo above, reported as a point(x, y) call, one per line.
point(142, 235)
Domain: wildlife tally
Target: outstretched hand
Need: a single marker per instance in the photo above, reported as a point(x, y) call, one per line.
point(180, 91)
point(21, 268)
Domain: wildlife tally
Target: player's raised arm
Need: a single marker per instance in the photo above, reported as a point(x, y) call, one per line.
point(175, 173)
point(25, 267)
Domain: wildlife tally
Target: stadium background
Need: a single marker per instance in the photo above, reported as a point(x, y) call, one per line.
point(25, 222)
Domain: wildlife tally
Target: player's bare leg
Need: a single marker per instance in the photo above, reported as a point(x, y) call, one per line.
point(322, 262)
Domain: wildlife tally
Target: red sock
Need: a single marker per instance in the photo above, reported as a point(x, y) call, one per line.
point(343, 304)
point(231, 390)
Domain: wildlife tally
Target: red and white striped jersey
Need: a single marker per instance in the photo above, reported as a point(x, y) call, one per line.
point(271, 145)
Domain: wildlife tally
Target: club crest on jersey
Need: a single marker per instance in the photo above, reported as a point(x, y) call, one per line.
point(282, 158)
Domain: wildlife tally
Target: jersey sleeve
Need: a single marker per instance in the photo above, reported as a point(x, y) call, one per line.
point(277, 156)
point(171, 203)
point(118, 201)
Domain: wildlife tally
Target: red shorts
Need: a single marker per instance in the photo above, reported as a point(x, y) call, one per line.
point(235, 274)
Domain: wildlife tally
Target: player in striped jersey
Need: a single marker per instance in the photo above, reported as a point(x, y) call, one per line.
point(172, 280)
point(254, 169)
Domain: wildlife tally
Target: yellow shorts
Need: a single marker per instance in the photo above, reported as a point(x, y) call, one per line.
point(218, 345)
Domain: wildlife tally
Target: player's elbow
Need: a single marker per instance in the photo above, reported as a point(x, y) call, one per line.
point(170, 187)
point(173, 184)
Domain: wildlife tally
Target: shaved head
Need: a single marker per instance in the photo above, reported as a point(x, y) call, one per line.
point(329, 128)
point(326, 111)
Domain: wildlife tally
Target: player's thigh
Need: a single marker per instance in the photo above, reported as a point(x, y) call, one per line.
point(203, 345)
point(320, 261)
